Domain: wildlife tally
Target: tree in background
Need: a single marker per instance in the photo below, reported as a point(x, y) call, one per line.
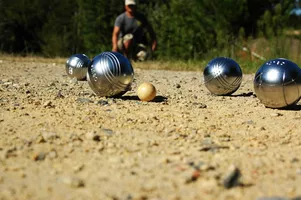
point(20, 25)
point(97, 20)
point(59, 31)
point(191, 29)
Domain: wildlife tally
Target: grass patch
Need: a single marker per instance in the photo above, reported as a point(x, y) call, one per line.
point(250, 56)
point(172, 65)
point(31, 58)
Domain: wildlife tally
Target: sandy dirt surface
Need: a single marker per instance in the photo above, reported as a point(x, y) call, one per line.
point(60, 141)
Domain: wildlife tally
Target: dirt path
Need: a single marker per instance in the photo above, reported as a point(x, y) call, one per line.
point(59, 141)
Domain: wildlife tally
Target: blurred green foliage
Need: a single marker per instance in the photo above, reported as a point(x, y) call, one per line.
point(186, 30)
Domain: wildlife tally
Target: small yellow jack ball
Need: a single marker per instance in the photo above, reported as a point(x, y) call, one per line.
point(146, 92)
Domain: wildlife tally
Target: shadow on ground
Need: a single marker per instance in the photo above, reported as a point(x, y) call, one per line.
point(243, 94)
point(157, 99)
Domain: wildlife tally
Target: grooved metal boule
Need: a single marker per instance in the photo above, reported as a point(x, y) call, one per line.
point(77, 66)
point(277, 83)
point(222, 76)
point(110, 74)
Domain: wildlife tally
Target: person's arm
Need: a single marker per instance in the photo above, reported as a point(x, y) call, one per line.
point(153, 36)
point(154, 44)
point(116, 31)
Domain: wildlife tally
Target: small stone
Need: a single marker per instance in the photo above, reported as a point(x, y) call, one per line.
point(149, 186)
point(249, 122)
point(16, 86)
point(40, 139)
point(213, 148)
point(49, 136)
point(73, 80)
point(102, 102)
point(111, 145)
point(100, 147)
point(107, 131)
point(7, 83)
point(22, 174)
point(59, 94)
point(10, 153)
point(193, 177)
point(294, 160)
point(201, 105)
point(39, 157)
point(276, 114)
point(52, 154)
point(47, 104)
point(93, 136)
point(78, 168)
point(73, 182)
point(232, 177)
point(83, 100)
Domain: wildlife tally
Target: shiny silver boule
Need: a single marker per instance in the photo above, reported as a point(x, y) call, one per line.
point(277, 83)
point(77, 66)
point(222, 76)
point(110, 74)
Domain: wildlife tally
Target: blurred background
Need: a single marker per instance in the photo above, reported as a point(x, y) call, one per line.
point(251, 30)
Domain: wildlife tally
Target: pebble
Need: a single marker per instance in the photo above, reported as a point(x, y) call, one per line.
point(93, 136)
point(39, 156)
point(213, 147)
point(11, 152)
point(78, 168)
point(231, 179)
point(7, 83)
point(73, 81)
point(100, 147)
point(60, 95)
point(52, 154)
point(193, 177)
point(73, 182)
point(84, 100)
point(102, 102)
point(16, 86)
point(107, 131)
point(49, 136)
point(47, 104)
point(276, 115)
point(149, 186)
point(178, 85)
point(199, 105)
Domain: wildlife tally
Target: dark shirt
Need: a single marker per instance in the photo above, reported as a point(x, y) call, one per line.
point(134, 25)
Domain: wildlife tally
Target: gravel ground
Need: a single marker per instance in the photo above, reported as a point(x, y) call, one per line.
point(60, 141)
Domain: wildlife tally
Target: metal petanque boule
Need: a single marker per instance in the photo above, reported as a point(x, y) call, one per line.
point(222, 76)
point(110, 74)
point(77, 66)
point(277, 83)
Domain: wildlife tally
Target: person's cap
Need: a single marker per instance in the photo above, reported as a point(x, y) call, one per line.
point(130, 2)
